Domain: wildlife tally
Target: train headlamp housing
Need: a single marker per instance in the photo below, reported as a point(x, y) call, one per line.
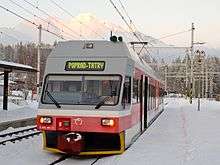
point(45, 120)
point(108, 122)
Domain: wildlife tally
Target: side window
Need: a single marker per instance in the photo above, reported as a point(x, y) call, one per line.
point(150, 93)
point(126, 98)
point(136, 91)
point(152, 97)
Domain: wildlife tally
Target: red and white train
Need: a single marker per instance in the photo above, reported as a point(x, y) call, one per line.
point(97, 97)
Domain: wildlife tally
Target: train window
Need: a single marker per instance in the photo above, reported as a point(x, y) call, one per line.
point(126, 98)
point(83, 89)
point(152, 99)
point(136, 91)
point(149, 100)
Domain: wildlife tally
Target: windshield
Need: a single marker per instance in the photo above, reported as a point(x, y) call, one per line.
point(83, 89)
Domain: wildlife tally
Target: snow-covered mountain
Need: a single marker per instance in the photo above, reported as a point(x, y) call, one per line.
point(12, 36)
point(85, 26)
point(88, 26)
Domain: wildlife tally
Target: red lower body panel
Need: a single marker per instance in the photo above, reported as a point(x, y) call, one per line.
point(71, 143)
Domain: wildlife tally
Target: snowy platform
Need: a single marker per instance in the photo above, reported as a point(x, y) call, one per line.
point(26, 110)
point(181, 135)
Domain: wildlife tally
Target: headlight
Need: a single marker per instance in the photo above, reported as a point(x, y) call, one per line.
point(108, 122)
point(45, 120)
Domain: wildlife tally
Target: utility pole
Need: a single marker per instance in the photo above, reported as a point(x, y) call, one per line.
point(199, 95)
point(202, 77)
point(187, 83)
point(38, 59)
point(166, 67)
point(191, 63)
point(199, 84)
point(211, 86)
point(206, 78)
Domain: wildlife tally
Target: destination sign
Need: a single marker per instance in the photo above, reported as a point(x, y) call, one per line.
point(85, 65)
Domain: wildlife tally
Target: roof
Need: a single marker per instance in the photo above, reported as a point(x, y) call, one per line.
point(100, 49)
point(5, 65)
point(78, 49)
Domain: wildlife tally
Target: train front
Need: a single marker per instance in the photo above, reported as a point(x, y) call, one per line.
point(80, 110)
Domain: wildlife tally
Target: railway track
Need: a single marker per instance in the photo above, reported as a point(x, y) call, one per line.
point(65, 157)
point(14, 135)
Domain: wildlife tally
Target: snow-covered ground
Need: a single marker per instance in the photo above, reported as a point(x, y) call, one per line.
point(29, 152)
point(180, 136)
point(25, 109)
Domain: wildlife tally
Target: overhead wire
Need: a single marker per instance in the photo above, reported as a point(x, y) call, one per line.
point(131, 22)
point(166, 36)
point(31, 22)
point(132, 30)
point(174, 34)
point(125, 21)
point(129, 18)
point(42, 19)
point(139, 38)
point(68, 13)
point(55, 19)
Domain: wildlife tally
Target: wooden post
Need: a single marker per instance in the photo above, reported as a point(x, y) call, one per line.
point(5, 92)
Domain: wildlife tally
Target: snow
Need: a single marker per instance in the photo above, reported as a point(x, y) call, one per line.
point(29, 151)
point(26, 152)
point(11, 129)
point(181, 135)
point(25, 109)
point(12, 64)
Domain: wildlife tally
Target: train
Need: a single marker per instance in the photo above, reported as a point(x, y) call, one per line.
point(97, 97)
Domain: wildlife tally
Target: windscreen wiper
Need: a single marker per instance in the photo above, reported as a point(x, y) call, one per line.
point(101, 103)
point(52, 99)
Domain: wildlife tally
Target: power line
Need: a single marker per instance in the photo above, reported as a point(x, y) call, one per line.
point(42, 19)
point(125, 21)
point(126, 13)
point(174, 34)
point(123, 7)
point(130, 20)
point(58, 21)
point(68, 13)
point(166, 36)
point(139, 38)
point(31, 22)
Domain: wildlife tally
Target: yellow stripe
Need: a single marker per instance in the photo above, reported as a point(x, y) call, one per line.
point(47, 148)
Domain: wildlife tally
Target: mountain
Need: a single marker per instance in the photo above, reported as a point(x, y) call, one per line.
point(88, 26)
point(12, 36)
point(85, 26)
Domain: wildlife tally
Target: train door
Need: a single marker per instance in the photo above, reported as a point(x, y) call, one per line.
point(141, 103)
point(145, 101)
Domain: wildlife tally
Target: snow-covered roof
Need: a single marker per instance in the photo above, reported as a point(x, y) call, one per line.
point(16, 66)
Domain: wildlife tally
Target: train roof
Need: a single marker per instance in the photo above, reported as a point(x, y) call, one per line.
point(100, 49)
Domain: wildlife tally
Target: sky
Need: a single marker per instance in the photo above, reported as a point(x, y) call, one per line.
point(152, 17)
